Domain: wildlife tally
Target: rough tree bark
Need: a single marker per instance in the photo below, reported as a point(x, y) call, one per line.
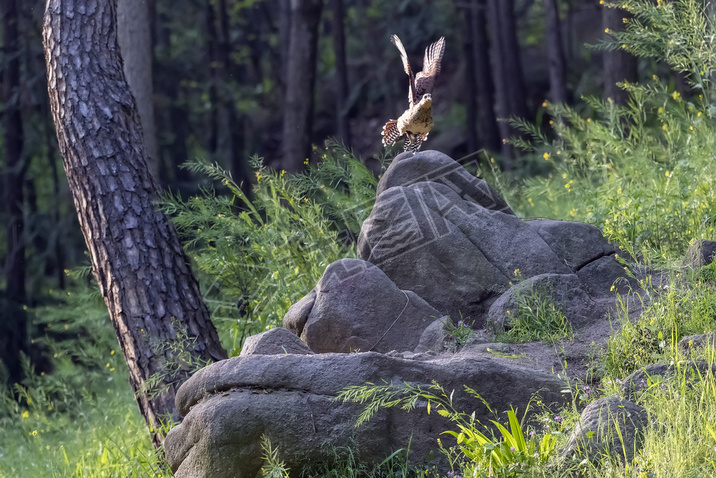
point(13, 329)
point(300, 80)
point(136, 256)
point(555, 53)
point(135, 42)
point(618, 65)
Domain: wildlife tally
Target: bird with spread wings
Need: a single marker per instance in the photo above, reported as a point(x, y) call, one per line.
point(417, 121)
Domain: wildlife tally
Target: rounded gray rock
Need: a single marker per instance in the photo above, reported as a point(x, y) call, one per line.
point(608, 425)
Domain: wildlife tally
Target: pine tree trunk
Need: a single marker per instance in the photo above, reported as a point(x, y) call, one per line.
point(136, 256)
point(300, 80)
point(13, 329)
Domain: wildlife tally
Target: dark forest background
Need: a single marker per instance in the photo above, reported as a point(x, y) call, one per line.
point(227, 79)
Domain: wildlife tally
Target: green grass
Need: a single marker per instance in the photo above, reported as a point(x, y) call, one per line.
point(538, 318)
point(81, 419)
point(94, 430)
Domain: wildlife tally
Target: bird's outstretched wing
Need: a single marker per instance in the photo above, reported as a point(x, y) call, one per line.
point(390, 133)
point(406, 66)
point(425, 80)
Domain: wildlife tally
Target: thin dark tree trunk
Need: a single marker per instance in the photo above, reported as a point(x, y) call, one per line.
point(555, 53)
point(213, 62)
point(173, 119)
point(508, 77)
point(43, 110)
point(300, 82)
point(137, 260)
point(488, 131)
point(135, 41)
point(468, 48)
point(13, 330)
point(618, 65)
point(284, 40)
point(339, 47)
point(234, 132)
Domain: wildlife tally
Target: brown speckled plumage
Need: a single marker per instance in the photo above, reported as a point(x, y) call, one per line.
point(417, 121)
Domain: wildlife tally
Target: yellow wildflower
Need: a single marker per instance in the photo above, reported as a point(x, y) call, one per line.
point(546, 156)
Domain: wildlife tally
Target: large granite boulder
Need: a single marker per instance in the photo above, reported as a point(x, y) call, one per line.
point(290, 398)
point(455, 254)
point(439, 245)
point(456, 244)
point(356, 307)
point(433, 166)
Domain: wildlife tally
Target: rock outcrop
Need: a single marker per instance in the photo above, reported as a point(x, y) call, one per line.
point(356, 307)
point(440, 245)
point(457, 245)
point(290, 398)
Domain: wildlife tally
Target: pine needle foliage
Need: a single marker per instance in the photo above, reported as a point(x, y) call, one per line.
point(260, 254)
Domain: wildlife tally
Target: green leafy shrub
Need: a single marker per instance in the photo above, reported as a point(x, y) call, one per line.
point(266, 252)
point(479, 451)
point(642, 172)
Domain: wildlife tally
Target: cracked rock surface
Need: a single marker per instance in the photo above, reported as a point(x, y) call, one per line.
point(229, 405)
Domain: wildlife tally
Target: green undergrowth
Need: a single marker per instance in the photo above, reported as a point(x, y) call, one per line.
point(258, 255)
point(683, 304)
point(538, 318)
point(643, 171)
point(74, 415)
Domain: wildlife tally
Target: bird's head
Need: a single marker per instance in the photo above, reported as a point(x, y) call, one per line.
point(426, 100)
